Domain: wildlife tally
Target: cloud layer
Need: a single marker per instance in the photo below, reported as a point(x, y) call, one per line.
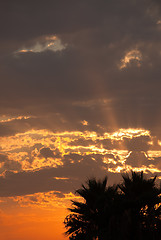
point(80, 92)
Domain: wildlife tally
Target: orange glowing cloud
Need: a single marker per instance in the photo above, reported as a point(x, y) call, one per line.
point(38, 149)
point(131, 55)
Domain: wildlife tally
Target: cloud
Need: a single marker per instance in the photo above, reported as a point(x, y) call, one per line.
point(47, 43)
point(156, 162)
point(3, 158)
point(68, 178)
point(6, 130)
point(48, 161)
point(140, 143)
point(131, 56)
point(8, 165)
point(137, 159)
point(38, 149)
point(88, 113)
point(84, 122)
point(47, 152)
point(5, 119)
point(12, 166)
point(50, 200)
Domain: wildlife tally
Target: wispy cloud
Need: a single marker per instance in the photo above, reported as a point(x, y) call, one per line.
point(47, 43)
point(5, 119)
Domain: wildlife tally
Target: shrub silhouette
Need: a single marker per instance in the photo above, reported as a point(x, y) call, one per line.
point(130, 210)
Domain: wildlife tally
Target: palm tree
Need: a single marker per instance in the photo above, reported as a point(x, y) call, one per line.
point(130, 210)
point(89, 219)
point(141, 203)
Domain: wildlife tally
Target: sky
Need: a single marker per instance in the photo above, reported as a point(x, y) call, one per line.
point(80, 97)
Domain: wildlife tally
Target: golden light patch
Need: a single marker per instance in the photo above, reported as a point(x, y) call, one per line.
point(25, 50)
point(25, 148)
point(129, 133)
point(84, 122)
point(40, 163)
point(131, 55)
point(109, 160)
point(4, 119)
point(60, 178)
point(48, 200)
point(154, 154)
point(116, 170)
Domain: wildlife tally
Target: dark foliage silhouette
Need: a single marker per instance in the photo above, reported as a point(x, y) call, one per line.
point(90, 217)
point(141, 203)
point(130, 210)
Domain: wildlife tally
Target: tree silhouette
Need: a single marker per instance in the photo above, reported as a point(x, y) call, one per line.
point(89, 219)
point(141, 203)
point(130, 210)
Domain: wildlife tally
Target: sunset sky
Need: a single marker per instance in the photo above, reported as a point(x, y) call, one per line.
point(80, 97)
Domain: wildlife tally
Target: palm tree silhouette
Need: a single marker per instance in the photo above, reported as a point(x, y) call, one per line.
point(141, 203)
point(130, 210)
point(89, 219)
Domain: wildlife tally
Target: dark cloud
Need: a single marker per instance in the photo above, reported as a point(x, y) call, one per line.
point(11, 165)
point(140, 143)
point(47, 152)
point(68, 158)
point(83, 81)
point(66, 178)
point(88, 69)
point(156, 162)
point(110, 144)
point(30, 182)
point(82, 142)
point(6, 130)
point(3, 158)
point(137, 159)
point(43, 180)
